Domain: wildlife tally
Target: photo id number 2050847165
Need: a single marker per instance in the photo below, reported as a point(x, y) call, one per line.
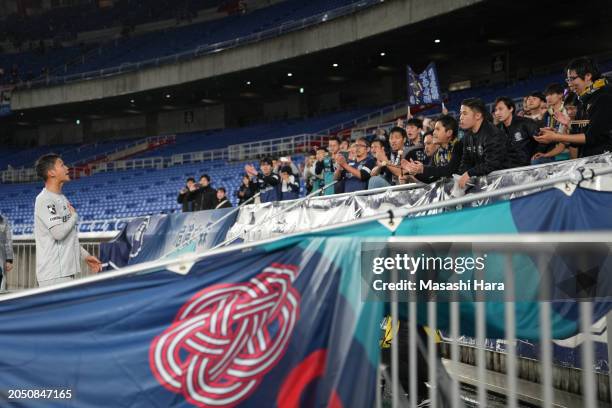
point(43, 393)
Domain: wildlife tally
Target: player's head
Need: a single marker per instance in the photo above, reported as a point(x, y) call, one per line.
point(51, 167)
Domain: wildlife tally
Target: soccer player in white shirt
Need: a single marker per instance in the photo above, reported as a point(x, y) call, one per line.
point(58, 253)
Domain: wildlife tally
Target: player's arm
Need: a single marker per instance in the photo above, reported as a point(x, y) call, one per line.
point(58, 226)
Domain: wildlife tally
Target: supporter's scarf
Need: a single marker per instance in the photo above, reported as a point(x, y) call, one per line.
point(595, 86)
point(443, 156)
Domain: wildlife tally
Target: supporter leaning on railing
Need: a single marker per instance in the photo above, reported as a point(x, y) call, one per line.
point(445, 159)
point(594, 92)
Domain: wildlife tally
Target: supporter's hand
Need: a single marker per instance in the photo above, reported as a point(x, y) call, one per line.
point(537, 156)
point(183, 190)
point(93, 263)
point(71, 209)
point(400, 122)
point(412, 167)
point(250, 170)
point(562, 118)
point(381, 156)
point(340, 160)
point(193, 187)
point(463, 180)
point(546, 136)
point(8, 266)
point(444, 110)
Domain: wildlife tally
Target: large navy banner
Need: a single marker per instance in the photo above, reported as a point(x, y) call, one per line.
point(163, 236)
point(269, 327)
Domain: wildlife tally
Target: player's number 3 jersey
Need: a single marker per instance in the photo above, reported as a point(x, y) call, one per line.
point(55, 258)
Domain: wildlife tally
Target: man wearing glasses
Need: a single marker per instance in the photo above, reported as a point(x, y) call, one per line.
point(355, 172)
point(584, 78)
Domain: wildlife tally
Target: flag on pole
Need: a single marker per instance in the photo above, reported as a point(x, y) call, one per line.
point(424, 88)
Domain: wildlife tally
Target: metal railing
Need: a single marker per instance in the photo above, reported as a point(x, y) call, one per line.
point(365, 118)
point(207, 49)
point(275, 147)
point(23, 275)
point(500, 377)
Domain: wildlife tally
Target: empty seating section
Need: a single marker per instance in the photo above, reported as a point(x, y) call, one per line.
point(152, 45)
point(72, 154)
point(198, 141)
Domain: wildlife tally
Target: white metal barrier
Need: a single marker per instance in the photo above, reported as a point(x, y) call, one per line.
point(23, 275)
point(275, 147)
point(461, 374)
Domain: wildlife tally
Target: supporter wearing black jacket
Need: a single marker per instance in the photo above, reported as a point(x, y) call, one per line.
point(519, 130)
point(246, 190)
point(205, 197)
point(266, 181)
point(485, 147)
point(222, 200)
point(185, 197)
point(584, 78)
point(446, 160)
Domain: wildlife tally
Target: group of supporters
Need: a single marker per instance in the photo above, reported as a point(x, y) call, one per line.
point(561, 122)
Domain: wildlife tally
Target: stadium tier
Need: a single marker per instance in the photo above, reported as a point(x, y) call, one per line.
point(184, 143)
point(134, 49)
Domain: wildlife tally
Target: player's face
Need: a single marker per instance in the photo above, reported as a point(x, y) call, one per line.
point(502, 113)
point(60, 171)
point(396, 141)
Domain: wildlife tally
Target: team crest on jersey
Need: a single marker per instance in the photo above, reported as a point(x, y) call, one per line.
point(227, 337)
point(51, 208)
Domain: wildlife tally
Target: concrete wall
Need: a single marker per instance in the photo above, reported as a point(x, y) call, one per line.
point(205, 118)
point(394, 14)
